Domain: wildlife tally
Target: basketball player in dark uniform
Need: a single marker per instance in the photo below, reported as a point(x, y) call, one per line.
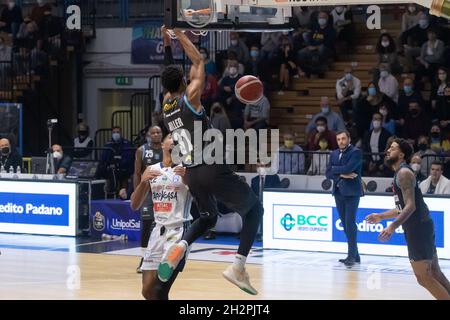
point(207, 183)
point(146, 156)
point(412, 214)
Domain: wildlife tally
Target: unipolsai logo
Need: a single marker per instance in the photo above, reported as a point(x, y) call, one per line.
point(99, 221)
point(288, 222)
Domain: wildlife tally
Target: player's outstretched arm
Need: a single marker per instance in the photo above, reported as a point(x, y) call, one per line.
point(197, 75)
point(407, 182)
point(139, 195)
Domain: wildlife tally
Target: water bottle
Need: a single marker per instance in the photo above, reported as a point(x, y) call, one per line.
point(2, 169)
point(106, 237)
point(11, 169)
point(19, 170)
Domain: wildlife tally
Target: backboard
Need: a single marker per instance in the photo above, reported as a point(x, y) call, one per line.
point(214, 15)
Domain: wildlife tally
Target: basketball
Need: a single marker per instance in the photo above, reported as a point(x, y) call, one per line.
point(249, 90)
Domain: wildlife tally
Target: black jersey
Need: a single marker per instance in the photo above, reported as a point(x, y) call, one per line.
point(187, 126)
point(422, 214)
point(150, 156)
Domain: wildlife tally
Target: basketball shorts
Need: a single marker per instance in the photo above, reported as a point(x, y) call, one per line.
point(420, 239)
point(161, 239)
point(211, 183)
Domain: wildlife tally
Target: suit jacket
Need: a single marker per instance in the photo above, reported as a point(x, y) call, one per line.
point(351, 162)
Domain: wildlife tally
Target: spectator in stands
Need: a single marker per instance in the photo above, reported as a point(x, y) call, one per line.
point(409, 93)
point(431, 56)
point(210, 92)
point(427, 155)
point(413, 39)
point(219, 118)
point(288, 67)
point(375, 142)
point(50, 30)
point(238, 46)
point(258, 67)
point(388, 84)
point(303, 15)
point(334, 120)
point(320, 47)
point(63, 162)
point(232, 60)
point(411, 17)
point(5, 51)
point(417, 122)
point(9, 157)
point(387, 54)
point(321, 132)
point(368, 106)
point(436, 183)
point(11, 18)
point(387, 122)
point(416, 165)
point(227, 97)
point(210, 66)
point(117, 163)
point(292, 160)
point(348, 91)
point(83, 144)
point(269, 44)
point(438, 142)
point(38, 12)
point(320, 159)
point(343, 24)
point(257, 115)
point(440, 98)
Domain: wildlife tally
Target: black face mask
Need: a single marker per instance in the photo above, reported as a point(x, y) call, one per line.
point(82, 133)
point(435, 135)
point(6, 151)
point(422, 146)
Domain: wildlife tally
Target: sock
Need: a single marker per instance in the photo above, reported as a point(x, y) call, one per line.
point(239, 262)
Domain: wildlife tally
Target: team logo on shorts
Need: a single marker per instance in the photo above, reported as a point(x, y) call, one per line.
point(99, 221)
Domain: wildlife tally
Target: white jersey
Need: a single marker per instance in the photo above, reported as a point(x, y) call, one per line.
point(171, 198)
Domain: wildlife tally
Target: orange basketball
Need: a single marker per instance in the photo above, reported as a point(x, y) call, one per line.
point(249, 90)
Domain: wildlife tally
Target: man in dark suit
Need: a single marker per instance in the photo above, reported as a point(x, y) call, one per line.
point(345, 168)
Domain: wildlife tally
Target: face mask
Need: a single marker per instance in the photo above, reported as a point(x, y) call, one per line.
point(262, 171)
point(422, 146)
point(254, 54)
point(325, 109)
point(383, 112)
point(233, 71)
point(234, 42)
point(39, 2)
point(348, 77)
point(205, 56)
point(339, 9)
point(321, 129)
point(116, 136)
point(385, 44)
point(82, 133)
point(285, 33)
point(408, 89)
point(384, 74)
point(372, 91)
point(411, 9)
point(322, 22)
point(416, 167)
point(323, 145)
point(57, 155)
point(436, 135)
point(442, 77)
point(423, 23)
point(6, 151)
point(376, 124)
point(289, 144)
point(414, 112)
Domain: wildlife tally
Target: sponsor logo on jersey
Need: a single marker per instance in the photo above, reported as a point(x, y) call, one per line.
point(169, 105)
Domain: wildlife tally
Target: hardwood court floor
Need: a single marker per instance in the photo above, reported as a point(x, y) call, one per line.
point(40, 274)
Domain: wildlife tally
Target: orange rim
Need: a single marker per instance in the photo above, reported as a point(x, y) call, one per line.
point(201, 11)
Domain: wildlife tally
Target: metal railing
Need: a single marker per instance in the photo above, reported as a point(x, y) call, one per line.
point(141, 115)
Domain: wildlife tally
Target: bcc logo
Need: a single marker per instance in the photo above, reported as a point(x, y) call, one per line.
point(288, 222)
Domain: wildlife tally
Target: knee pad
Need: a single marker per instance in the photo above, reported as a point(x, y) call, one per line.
point(209, 219)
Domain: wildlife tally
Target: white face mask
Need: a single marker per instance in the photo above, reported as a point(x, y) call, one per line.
point(11, 4)
point(383, 112)
point(233, 71)
point(416, 167)
point(376, 124)
point(385, 44)
point(321, 129)
point(57, 155)
point(234, 42)
point(325, 109)
point(384, 74)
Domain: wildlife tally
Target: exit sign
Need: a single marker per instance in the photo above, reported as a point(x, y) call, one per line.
point(124, 81)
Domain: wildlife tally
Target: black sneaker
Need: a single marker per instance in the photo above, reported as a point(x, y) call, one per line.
point(350, 262)
point(357, 259)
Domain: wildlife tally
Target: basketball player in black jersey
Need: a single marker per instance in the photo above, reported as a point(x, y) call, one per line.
point(412, 214)
point(207, 183)
point(147, 155)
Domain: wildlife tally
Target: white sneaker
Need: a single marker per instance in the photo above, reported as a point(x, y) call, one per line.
point(240, 279)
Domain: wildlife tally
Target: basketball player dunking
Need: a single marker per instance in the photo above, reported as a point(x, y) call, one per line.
point(181, 108)
point(172, 205)
point(412, 214)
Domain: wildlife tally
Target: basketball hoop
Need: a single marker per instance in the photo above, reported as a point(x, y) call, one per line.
point(190, 16)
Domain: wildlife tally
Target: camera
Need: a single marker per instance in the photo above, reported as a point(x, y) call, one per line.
point(51, 122)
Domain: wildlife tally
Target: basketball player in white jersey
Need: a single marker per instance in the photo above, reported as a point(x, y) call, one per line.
point(171, 205)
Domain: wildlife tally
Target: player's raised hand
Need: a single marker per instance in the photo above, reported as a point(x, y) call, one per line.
point(180, 171)
point(165, 34)
point(373, 218)
point(150, 174)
